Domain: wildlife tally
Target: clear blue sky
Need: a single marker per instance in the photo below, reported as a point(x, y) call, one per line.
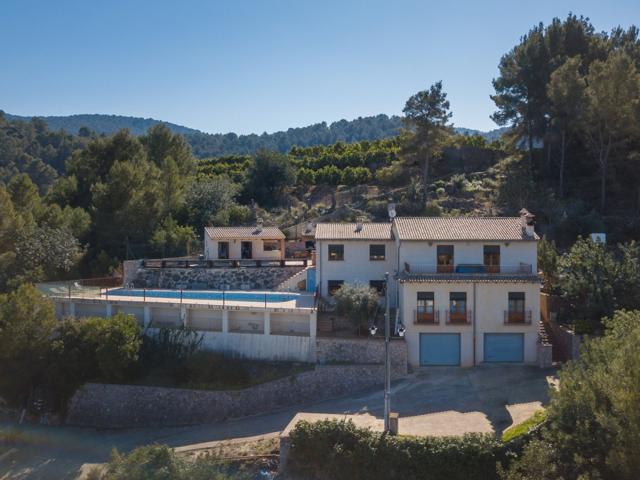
point(265, 65)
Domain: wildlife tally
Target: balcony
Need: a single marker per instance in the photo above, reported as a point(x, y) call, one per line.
point(522, 317)
point(459, 318)
point(421, 317)
point(468, 269)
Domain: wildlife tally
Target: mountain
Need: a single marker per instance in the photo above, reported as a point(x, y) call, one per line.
point(107, 124)
point(217, 144)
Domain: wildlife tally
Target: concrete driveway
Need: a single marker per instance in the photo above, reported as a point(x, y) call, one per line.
point(431, 401)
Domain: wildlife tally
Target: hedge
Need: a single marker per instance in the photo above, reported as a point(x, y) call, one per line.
point(335, 450)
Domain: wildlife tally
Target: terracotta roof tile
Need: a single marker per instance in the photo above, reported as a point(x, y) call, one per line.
point(348, 231)
point(244, 232)
point(461, 228)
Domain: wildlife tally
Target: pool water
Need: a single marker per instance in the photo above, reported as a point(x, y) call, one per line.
point(205, 295)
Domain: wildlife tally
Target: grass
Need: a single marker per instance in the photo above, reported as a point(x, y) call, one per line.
point(210, 371)
point(523, 428)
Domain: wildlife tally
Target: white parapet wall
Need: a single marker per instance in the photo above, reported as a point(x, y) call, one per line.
point(277, 334)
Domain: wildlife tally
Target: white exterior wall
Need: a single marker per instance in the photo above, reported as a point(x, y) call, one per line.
point(258, 253)
point(356, 266)
point(472, 252)
point(491, 302)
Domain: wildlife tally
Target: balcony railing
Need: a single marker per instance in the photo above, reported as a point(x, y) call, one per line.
point(459, 318)
point(517, 317)
point(468, 269)
point(221, 263)
point(421, 317)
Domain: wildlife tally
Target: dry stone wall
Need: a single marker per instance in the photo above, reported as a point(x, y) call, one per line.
point(263, 278)
point(123, 406)
point(369, 351)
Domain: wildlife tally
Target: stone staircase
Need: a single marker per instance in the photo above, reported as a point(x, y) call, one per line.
point(294, 282)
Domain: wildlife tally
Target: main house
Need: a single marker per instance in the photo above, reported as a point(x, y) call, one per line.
point(466, 289)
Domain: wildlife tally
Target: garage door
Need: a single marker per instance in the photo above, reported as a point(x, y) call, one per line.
point(439, 349)
point(503, 347)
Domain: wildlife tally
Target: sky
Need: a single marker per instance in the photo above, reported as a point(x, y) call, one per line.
point(265, 65)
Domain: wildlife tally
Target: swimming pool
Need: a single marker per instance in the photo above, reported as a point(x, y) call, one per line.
point(270, 297)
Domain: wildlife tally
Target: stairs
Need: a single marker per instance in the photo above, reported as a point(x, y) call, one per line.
point(294, 282)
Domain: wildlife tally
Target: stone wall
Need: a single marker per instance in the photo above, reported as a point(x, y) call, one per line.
point(330, 350)
point(259, 278)
point(124, 406)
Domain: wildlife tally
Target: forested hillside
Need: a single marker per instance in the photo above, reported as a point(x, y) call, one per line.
point(74, 205)
point(208, 145)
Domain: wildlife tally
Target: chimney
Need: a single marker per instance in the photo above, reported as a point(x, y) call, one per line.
point(308, 228)
point(259, 223)
point(527, 220)
point(359, 224)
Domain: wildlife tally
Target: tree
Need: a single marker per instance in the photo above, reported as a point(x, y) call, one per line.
point(566, 91)
point(27, 322)
point(357, 301)
point(548, 260)
point(593, 421)
point(172, 240)
point(208, 201)
point(427, 115)
point(613, 112)
point(595, 281)
point(268, 177)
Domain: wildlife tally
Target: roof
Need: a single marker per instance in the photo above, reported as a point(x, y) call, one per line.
point(270, 233)
point(349, 231)
point(461, 228)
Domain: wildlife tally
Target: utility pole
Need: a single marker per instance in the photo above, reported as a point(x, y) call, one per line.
point(387, 360)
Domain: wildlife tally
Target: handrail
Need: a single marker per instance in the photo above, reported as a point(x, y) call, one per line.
point(224, 263)
point(469, 269)
point(517, 317)
point(428, 318)
point(459, 318)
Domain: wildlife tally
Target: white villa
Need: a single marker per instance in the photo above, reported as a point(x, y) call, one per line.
point(466, 288)
point(244, 243)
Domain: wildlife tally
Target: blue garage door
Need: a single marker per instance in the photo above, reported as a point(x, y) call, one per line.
point(503, 347)
point(439, 349)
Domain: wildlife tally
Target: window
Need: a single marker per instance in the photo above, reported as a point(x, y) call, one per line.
point(270, 245)
point(458, 302)
point(336, 252)
point(223, 250)
point(425, 302)
point(445, 258)
point(334, 285)
point(378, 286)
point(492, 258)
point(516, 302)
point(376, 252)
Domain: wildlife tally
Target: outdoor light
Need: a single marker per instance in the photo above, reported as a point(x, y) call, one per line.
point(373, 330)
point(401, 330)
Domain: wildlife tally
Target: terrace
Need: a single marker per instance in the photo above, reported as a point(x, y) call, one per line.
point(462, 272)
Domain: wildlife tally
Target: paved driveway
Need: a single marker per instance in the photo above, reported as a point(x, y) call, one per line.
point(432, 401)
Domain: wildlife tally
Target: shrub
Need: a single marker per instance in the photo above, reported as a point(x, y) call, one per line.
point(335, 450)
point(27, 322)
point(593, 421)
point(357, 301)
point(159, 462)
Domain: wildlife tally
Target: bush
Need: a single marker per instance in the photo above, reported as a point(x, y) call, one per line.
point(525, 427)
point(159, 462)
point(27, 322)
point(593, 421)
point(335, 450)
point(357, 301)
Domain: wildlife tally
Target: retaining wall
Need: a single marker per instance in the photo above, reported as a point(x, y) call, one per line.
point(262, 278)
point(330, 350)
point(124, 406)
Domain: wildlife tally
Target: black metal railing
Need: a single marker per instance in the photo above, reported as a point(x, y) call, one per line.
point(219, 263)
point(468, 269)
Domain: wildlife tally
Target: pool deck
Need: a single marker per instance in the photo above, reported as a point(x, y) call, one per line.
point(302, 301)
